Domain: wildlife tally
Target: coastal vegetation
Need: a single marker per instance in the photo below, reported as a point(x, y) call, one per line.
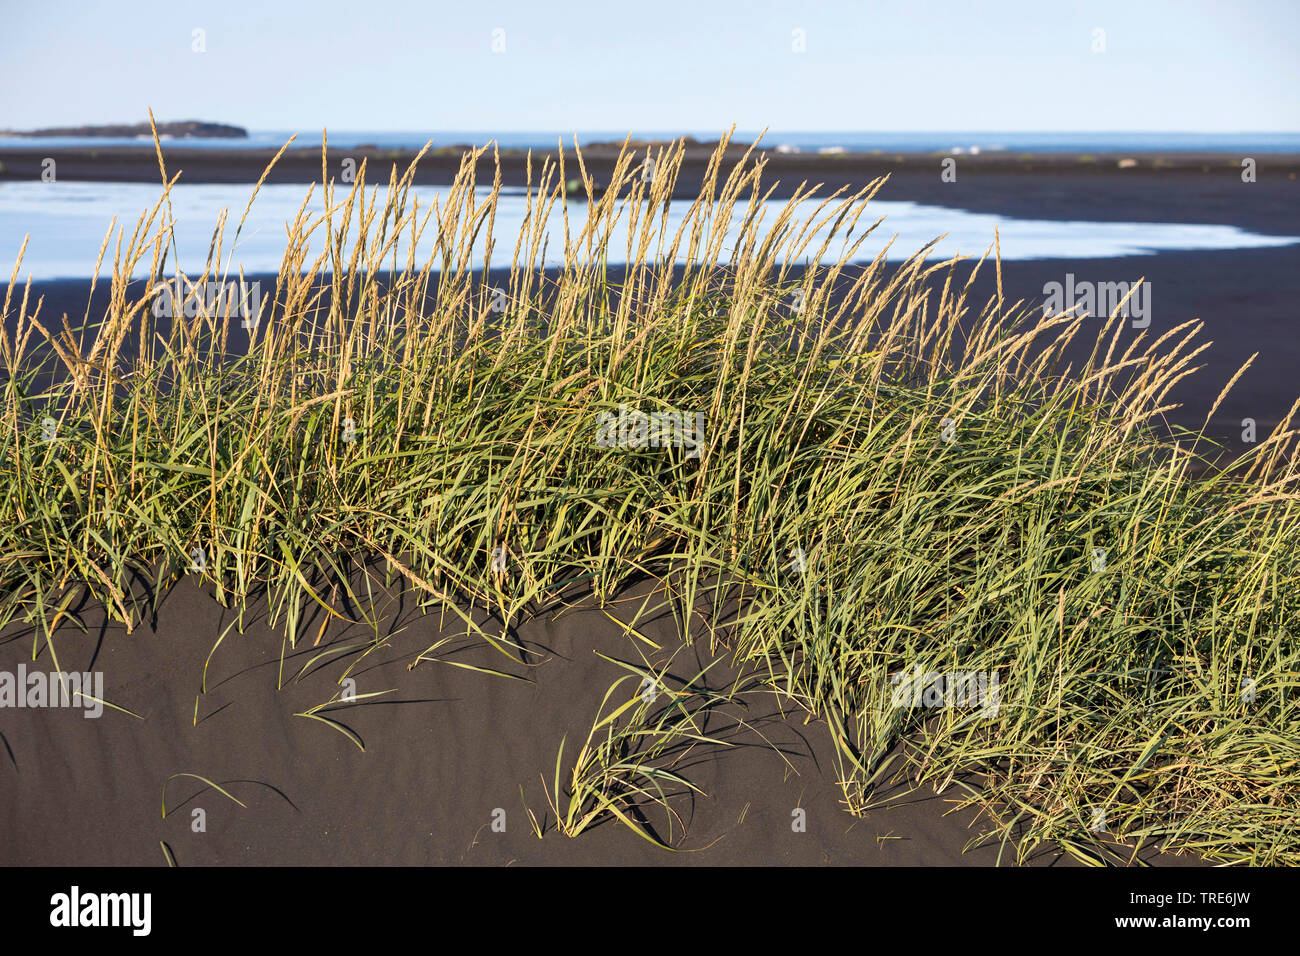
point(891, 479)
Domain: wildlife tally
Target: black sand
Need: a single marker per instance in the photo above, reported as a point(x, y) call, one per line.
point(443, 752)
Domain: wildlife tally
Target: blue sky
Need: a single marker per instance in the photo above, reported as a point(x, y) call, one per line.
point(616, 65)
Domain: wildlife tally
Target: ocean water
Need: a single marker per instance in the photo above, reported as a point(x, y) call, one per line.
point(1243, 144)
point(66, 224)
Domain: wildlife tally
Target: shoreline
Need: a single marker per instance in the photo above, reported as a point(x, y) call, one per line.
point(1162, 187)
point(1189, 189)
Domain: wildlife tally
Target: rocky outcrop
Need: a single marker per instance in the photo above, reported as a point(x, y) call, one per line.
point(186, 129)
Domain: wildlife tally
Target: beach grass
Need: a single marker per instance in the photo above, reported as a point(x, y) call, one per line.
point(856, 480)
point(627, 763)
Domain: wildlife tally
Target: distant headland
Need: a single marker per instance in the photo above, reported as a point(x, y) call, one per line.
point(185, 129)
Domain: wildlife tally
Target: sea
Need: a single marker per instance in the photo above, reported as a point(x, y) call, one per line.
point(1245, 143)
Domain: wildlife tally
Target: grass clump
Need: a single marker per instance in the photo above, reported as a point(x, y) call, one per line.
point(889, 481)
point(629, 758)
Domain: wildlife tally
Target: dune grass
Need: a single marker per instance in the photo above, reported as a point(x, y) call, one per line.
point(891, 480)
point(628, 760)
